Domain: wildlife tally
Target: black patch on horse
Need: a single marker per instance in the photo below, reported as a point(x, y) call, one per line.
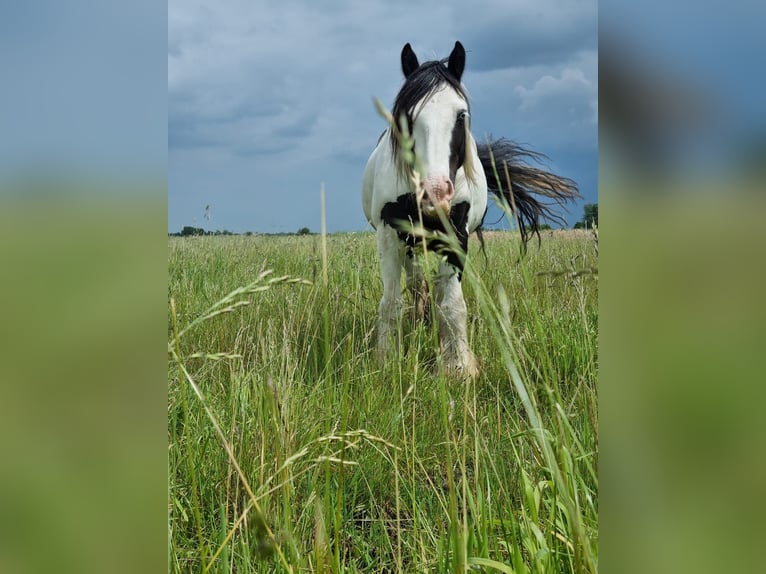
point(402, 215)
point(457, 144)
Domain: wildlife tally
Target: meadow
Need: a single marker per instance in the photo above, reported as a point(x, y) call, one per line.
point(292, 449)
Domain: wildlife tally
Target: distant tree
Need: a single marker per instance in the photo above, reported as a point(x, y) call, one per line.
point(590, 217)
point(590, 211)
point(189, 230)
point(304, 231)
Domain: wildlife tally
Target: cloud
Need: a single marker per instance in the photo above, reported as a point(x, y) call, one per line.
point(568, 92)
point(274, 91)
point(551, 108)
point(523, 33)
point(237, 71)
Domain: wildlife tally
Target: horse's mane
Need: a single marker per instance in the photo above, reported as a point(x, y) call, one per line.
point(419, 86)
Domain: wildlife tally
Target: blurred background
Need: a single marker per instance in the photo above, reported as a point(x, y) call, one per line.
point(83, 147)
point(83, 239)
point(682, 160)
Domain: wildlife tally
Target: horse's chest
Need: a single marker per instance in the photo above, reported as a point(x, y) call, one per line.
point(403, 216)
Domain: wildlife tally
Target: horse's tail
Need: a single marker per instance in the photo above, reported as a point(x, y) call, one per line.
point(526, 182)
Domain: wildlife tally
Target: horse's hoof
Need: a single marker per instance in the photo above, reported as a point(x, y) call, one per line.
point(464, 368)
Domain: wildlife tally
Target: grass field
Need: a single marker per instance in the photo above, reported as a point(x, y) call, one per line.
point(291, 449)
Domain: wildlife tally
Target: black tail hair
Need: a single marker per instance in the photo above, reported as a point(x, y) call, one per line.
point(526, 183)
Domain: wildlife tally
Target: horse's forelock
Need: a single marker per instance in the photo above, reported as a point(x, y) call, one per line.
point(417, 88)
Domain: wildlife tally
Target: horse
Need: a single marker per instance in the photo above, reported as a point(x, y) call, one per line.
point(426, 185)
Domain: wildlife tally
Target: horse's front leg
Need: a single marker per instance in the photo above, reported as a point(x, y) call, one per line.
point(391, 255)
point(418, 288)
point(452, 317)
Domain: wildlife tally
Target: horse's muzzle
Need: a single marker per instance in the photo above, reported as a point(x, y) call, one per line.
point(436, 196)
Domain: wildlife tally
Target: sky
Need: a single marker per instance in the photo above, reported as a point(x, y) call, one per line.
point(268, 101)
point(80, 96)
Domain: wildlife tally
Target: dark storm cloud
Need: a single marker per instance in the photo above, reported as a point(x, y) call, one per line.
point(281, 92)
point(521, 34)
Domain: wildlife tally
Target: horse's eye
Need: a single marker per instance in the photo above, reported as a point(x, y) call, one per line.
point(462, 116)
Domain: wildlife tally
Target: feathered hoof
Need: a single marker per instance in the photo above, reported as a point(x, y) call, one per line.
point(464, 367)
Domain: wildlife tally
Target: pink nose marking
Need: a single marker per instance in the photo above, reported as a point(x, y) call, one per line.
point(439, 189)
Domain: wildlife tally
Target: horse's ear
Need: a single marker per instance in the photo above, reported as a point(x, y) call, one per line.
point(456, 63)
point(409, 60)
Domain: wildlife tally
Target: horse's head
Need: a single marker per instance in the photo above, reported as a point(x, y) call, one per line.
point(436, 109)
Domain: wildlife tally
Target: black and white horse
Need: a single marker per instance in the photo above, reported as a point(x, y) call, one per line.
point(441, 188)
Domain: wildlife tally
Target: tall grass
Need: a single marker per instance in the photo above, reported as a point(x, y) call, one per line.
point(292, 450)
